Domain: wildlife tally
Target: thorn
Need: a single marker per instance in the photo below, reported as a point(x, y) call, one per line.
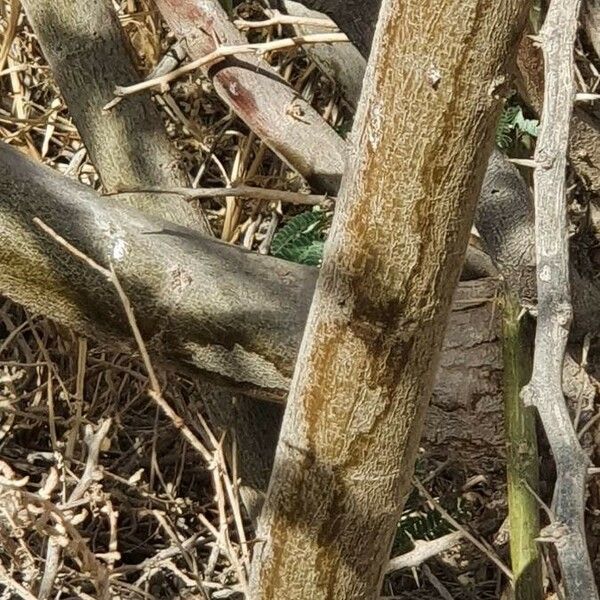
point(524, 162)
point(586, 97)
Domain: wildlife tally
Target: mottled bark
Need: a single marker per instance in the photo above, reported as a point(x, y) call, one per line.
point(208, 308)
point(256, 92)
point(204, 303)
point(365, 372)
point(89, 55)
point(356, 18)
point(567, 528)
point(504, 219)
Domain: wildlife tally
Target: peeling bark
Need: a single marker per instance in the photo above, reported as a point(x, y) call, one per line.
point(287, 124)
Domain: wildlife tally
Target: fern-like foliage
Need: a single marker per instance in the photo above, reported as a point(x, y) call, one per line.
point(301, 239)
point(513, 125)
point(425, 523)
point(505, 127)
point(419, 525)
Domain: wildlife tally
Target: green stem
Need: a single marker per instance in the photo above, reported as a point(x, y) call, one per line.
point(522, 456)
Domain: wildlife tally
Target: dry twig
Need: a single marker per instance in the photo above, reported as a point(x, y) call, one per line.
point(243, 191)
point(53, 555)
point(424, 550)
point(222, 52)
point(544, 391)
point(215, 459)
point(281, 19)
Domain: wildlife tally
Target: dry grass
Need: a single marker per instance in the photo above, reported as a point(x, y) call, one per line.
point(100, 495)
point(93, 473)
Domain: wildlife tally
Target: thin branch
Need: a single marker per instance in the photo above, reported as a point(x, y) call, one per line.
point(155, 391)
point(245, 191)
point(544, 391)
point(489, 552)
point(424, 550)
point(281, 19)
point(93, 441)
point(221, 53)
point(215, 461)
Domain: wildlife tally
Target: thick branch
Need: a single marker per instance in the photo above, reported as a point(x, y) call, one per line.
point(203, 305)
point(84, 44)
point(256, 92)
point(206, 304)
point(196, 300)
point(370, 349)
point(567, 531)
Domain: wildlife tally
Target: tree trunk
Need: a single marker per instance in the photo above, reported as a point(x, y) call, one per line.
point(423, 133)
point(84, 45)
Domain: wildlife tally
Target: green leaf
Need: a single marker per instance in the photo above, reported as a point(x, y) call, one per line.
point(505, 126)
point(301, 239)
point(528, 126)
point(511, 124)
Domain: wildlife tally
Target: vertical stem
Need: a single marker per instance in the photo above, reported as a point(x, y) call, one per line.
point(422, 136)
point(522, 456)
point(567, 532)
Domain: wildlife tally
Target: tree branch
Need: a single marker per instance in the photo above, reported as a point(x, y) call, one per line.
point(287, 124)
point(356, 18)
point(544, 391)
point(222, 52)
point(89, 55)
point(203, 306)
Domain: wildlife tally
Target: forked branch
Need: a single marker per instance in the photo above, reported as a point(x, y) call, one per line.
point(222, 52)
point(554, 302)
